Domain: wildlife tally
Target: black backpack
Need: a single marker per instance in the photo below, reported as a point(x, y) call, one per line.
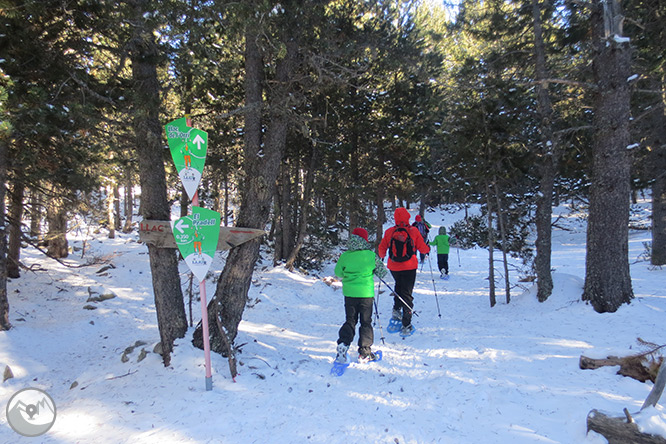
point(401, 247)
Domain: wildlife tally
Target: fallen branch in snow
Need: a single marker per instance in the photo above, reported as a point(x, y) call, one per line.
point(121, 376)
point(642, 367)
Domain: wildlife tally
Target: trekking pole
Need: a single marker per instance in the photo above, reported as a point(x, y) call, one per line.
point(458, 250)
point(381, 333)
point(432, 277)
point(411, 310)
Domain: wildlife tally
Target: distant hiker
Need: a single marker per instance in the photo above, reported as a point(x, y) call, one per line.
point(401, 242)
point(356, 267)
point(442, 243)
point(424, 229)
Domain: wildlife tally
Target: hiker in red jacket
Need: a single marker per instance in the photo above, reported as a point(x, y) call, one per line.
point(401, 242)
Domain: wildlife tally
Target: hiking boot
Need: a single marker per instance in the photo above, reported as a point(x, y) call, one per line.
point(341, 357)
point(366, 355)
point(407, 330)
point(397, 314)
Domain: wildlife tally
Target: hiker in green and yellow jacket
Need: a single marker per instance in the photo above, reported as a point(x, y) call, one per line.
point(442, 242)
point(356, 267)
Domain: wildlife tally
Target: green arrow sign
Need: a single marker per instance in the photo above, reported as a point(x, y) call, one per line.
point(196, 237)
point(188, 149)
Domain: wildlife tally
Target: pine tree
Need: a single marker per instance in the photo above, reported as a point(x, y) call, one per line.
point(607, 279)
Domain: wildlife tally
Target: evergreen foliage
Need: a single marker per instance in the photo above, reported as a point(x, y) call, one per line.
point(386, 103)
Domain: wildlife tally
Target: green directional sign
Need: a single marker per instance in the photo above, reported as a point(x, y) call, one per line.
point(188, 149)
point(196, 237)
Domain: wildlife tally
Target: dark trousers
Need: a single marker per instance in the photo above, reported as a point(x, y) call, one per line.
point(404, 285)
point(422, 255)
point(357, 309)
point(443, 262)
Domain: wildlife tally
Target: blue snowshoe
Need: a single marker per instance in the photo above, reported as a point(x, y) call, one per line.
point(395, 323)
point(341, 361)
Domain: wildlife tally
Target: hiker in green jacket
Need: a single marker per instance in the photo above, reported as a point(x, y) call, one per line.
point(356, 267)
point(442, 243)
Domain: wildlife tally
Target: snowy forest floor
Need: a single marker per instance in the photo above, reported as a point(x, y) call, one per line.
point(507, 374)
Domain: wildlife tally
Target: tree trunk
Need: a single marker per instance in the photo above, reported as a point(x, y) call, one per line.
point(111, 217)
point(353, 201)
point(502, 230)
point(57, 245)
point(287, 209)
point(129, 202)
point(171, 317)
point(658, 161)
point(548, 160)
point(305, 210)
point(659, 217)
point(380, 196)
point(184, 201)
point(4, 301)
point(607, 278)
point(422, 201)
point(15, 231)
point(276, 226)
point(226, 200)
point(491, 248)
point(116, 205)
point(36, 215)
point(262, 166)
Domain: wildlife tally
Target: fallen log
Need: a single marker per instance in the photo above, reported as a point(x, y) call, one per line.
point(620, 430)
point(636, 367)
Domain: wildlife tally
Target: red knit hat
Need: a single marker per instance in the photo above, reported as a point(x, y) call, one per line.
point(362, 232)
point(418, 218)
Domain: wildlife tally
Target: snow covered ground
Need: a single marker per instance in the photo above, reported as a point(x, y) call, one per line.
point(507, 374)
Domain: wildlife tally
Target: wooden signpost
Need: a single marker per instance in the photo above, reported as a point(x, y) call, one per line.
point(199, 235)
point(159, 233)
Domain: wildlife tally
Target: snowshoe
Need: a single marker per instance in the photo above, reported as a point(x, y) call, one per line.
point(341, 361)
point(338, 368)
point(395, 323)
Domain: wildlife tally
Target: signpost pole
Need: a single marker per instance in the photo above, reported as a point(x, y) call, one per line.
point(204, 306)
point(204, 317)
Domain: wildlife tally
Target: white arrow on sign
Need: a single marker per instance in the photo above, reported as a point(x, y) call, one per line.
point(180, 226)
point(198, 140)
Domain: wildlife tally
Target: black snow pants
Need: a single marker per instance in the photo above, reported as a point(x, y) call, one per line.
point(357, 309)
point(404, 285)
point(443, 262)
